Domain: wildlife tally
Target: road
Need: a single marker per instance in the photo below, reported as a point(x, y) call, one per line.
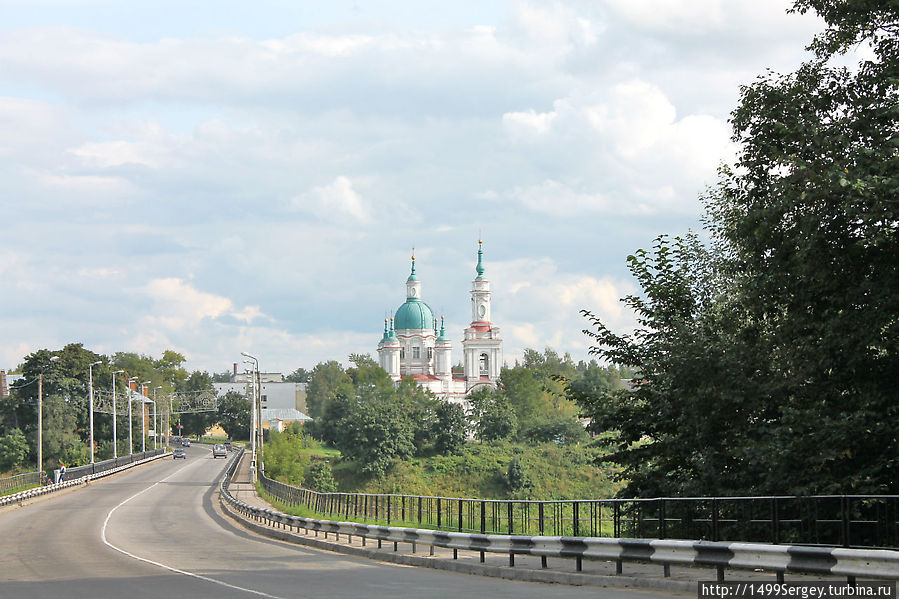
point(155, 532)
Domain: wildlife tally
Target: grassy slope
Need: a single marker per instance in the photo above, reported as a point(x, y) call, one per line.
point(556, 472)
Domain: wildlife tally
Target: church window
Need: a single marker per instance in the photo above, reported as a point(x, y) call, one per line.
point(430, 353)
point(402, 353)
point(416, 352)
point(485, 365)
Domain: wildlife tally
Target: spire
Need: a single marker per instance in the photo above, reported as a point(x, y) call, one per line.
point(412, 276)
point(480, 268)
point(386, 332)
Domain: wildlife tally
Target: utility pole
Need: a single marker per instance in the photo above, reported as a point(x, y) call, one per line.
point(115, 439)
point(90, 384)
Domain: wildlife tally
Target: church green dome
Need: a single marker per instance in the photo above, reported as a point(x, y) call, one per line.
point(414, 314)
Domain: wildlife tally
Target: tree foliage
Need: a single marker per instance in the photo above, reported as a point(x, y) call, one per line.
point(768, 360)
point(234, 415)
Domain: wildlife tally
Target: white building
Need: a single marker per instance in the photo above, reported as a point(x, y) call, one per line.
point(412, 345)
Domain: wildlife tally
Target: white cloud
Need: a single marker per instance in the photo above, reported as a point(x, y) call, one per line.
point(177, 304)
point(693, 15)
point(334, 202)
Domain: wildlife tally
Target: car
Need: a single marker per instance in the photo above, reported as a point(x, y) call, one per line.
point(179, 453)
point(219, 451)
point(185, 442)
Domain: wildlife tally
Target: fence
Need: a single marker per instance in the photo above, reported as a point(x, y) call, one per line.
point(780, 559)
point(857, 521)
point(98, 467)
point(19, 481)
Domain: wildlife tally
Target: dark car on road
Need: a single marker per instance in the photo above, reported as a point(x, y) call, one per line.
point(179, 453)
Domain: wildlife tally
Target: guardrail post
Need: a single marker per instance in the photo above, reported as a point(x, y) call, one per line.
point(540, 528)
point(439, 514)
point(509, 518)
point(666, 568)
point(483, 523)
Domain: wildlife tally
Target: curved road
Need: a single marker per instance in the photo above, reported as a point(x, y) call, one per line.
point(154, 532)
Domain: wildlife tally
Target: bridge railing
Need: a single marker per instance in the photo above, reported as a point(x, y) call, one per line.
point(852, 563)
point(19, 481)
point(857, 521)
point(98, 467)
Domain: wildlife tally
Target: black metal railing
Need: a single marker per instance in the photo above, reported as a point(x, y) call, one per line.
point(860, 521)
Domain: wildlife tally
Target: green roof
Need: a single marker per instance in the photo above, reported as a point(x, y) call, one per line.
point(414, 314)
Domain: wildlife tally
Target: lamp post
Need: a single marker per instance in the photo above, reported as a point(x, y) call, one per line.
point(148, 400)
point(130, 417)
point(155, 422)
point(115, 440)
point(253, 424)
point(90, 385)
point(143, 421)
point(40, 417)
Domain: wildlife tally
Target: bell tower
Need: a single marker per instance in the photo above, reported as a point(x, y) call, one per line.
point(482, 347)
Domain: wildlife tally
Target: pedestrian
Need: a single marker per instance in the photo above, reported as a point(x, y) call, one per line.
point(62, 472)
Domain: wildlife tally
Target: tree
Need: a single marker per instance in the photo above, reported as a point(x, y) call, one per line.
point(321, 478)
point(494, 418)
point(767, 361)
point(13, 450)
point(234, 415)
point(326, 380)
point(300, 375)
point(376, 434)
point(450, 428)
point(518, 480)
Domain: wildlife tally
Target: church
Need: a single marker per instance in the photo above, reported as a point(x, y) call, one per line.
point(414, 346)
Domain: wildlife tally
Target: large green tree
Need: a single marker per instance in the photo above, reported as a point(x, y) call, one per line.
point(768, 362)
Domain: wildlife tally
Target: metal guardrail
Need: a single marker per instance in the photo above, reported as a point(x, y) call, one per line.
point(779, 558)
point(850, 521)
point(19, 481)
point(81, 480)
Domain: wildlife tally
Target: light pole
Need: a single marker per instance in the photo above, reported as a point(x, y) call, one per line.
point(143, 421)
point(155, 422)
point(115, 440)
point(154, 417)
point(40, 417)
point(90, 385)
point(254, 424)
point(130, 418)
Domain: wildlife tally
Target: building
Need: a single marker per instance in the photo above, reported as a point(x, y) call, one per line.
point(414, 346)
point(277, 396)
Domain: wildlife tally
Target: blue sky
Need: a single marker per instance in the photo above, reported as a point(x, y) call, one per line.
point(218, 177)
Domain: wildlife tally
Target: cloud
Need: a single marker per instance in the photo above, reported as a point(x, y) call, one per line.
point(177, 304)
point(335, 201)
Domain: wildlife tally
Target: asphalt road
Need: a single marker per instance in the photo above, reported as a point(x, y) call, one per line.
point(155, 532)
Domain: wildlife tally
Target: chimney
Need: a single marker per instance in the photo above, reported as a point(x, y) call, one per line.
point(132, 385)
point(235, 369)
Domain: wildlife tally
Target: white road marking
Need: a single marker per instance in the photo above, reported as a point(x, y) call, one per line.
point(164, 566)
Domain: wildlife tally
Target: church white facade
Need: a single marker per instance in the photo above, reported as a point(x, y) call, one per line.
point(413, 346)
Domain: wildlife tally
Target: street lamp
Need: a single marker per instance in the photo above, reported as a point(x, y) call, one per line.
point(143, 421)
point(130, 417)
point(155, 422)
point(254, 425)
point(40, 417)
point(90, 384)
point(115, 440)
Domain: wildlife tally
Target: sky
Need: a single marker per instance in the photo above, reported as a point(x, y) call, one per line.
point(218, 177)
